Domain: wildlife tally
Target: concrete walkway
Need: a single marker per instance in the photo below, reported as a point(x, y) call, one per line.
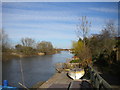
point(60, 79)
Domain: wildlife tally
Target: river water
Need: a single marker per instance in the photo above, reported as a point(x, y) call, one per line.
point(35, 69)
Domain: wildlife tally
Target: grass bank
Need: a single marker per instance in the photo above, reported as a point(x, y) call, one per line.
point(6, 56)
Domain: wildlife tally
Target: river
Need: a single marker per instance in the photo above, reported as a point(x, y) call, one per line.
point(35, 69)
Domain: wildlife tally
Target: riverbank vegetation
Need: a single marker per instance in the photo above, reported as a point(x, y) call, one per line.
point(26, 48)
point(101, 50)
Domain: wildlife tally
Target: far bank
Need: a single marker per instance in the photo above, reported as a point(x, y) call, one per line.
point(6, 56)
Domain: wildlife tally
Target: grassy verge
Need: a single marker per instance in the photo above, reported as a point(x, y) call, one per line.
point(8, 56)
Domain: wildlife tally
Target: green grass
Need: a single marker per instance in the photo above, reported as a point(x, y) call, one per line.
point(75, 61)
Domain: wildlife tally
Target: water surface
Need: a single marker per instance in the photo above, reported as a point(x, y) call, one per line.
point(36, 69)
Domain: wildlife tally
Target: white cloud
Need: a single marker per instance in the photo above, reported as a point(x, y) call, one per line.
point(61, 12)
point(44, 24)
point(42, 35)
point(107, 10)
point(41, 26)
point(17, 17)
point(43, 30)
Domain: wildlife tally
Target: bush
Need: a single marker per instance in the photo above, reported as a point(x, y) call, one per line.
point(75, 61)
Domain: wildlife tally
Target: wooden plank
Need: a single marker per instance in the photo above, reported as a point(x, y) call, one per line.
point(59, 86)
point(75, 85)
point(61, 80)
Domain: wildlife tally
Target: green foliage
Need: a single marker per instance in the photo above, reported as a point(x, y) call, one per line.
point(45, 47)
point(102, 45)
point(75, 61)
point(27, 47)
point(82, 52)
point(77, 46)
point(25, 50)
point(19, 47)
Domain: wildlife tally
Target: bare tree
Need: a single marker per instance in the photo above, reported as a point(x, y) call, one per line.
point(29, 42)
point(83, 28)
point(4, 40)
point(108, 34)
point(111, 28)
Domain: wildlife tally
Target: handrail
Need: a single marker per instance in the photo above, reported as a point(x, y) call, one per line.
point(97, 81)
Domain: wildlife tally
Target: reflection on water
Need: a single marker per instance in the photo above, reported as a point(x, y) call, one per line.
point(36, 69)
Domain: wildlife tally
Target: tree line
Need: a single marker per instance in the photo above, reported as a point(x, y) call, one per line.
point(26, 47)
point(101, 49)
point(29, 46)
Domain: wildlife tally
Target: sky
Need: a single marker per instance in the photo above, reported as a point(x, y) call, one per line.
point(54, 21)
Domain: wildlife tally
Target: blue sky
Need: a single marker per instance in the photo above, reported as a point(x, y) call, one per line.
point(54, 21)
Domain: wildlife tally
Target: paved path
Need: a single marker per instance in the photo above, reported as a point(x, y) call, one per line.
point(61, 80)
point(58, 78)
